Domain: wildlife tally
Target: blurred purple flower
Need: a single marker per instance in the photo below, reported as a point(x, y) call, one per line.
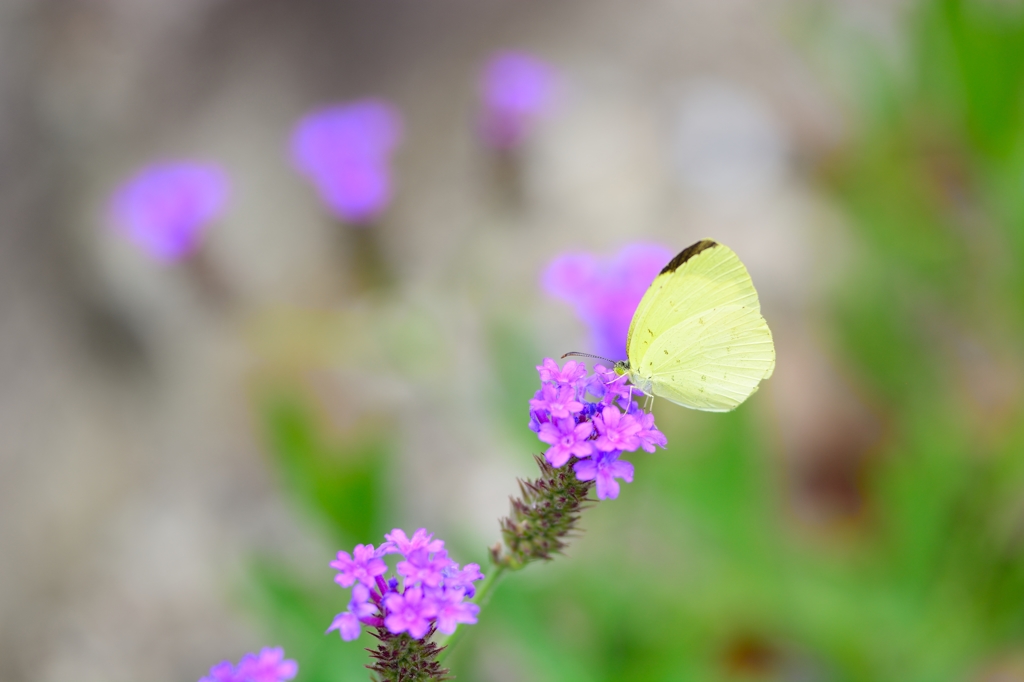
point(516, 89)
point(605, 467)
point(605, 291)
point(165, 208)
point(269, 665)
point(345, 150)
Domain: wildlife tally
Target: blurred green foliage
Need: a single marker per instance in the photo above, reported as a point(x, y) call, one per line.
point(339, 484)
point(701, 571)
point(512, 350)
point(934, 171)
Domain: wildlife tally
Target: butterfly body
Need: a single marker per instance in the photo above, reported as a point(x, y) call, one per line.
point(697, 337)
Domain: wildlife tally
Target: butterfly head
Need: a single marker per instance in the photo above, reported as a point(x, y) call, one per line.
point(622, 367)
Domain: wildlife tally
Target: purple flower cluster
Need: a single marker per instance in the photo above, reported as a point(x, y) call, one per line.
point(346, 150)
point(594, 419)
point(431, 593)
point(269, 665)
point(516, 90)
point(605, 291)
point(166, 207)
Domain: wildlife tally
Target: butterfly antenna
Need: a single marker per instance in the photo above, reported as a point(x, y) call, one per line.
point(587, 355)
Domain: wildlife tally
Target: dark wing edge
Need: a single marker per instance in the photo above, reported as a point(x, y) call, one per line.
point(673, 265)
point(686, 254)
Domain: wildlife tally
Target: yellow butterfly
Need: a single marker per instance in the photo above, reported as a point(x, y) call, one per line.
point(697, 337)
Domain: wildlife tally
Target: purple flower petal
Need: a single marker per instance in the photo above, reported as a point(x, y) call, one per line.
point(348, 626)
point(649, 435)
point(559, 402)
point(604, 469)
point(348, 623)
point(421, 539)
point(617, 431)
point(463, 579)
point(360, 603)
point(452, 610)
point(409, 612)
point(420, 567)
point(364, 567)
point(567, 439)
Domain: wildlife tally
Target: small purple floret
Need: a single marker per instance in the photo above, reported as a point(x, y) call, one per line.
point(572, 372)
point(567, 439)
point(420, 567)
point(605, 467)
point(560, 402)
point(409, 612)
point(464, 579)
point(649, 435)
point(421, 539)
point(616, 431)
point(608, 386)
point(452, 610)
point(364, 567)
point(166, 208)
point(347, 623)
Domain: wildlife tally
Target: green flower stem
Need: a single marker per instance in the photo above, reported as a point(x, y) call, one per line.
point(483, 595)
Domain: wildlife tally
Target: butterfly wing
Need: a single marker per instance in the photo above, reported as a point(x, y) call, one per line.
point(703, 276)
point(711, 361)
